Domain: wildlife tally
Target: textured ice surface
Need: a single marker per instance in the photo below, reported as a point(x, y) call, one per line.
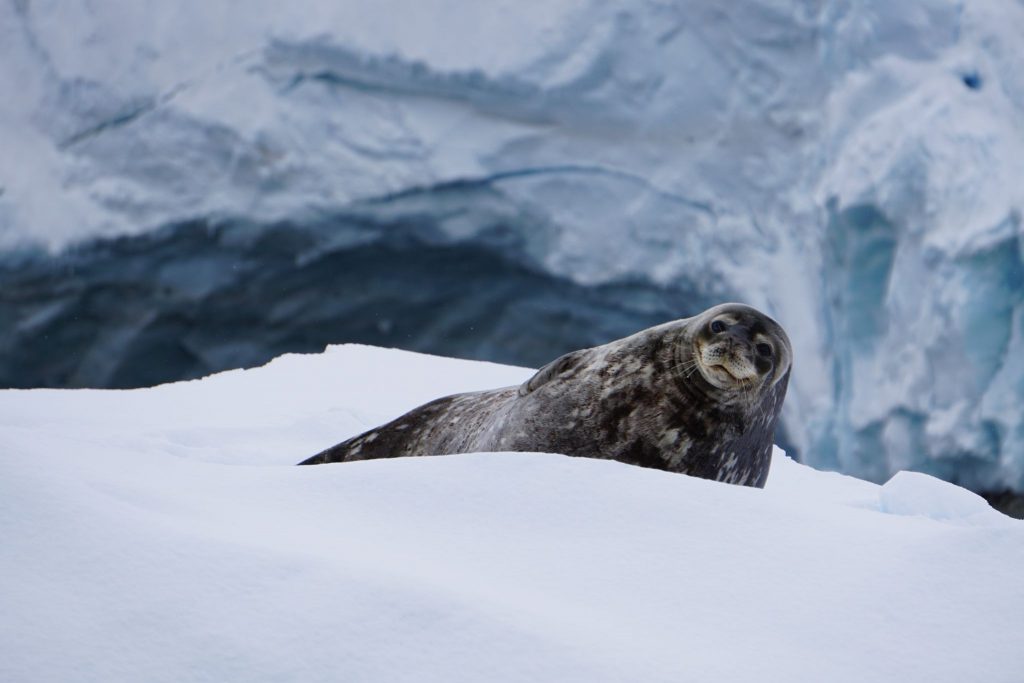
point(164, 535)
point(852, 168)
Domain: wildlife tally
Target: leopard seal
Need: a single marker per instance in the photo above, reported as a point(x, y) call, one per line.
point(700, 396)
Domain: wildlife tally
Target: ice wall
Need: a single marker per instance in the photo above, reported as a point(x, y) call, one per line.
point(853, 168)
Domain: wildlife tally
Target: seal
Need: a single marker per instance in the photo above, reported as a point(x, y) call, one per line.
point(699, 396)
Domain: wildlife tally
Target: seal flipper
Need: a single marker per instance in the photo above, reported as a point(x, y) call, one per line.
point(400, 437)
point(556, 368)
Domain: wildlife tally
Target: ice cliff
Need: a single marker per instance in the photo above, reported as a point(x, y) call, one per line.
point(852, 168)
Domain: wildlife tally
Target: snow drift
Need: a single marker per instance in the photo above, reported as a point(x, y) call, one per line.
point(165, 535)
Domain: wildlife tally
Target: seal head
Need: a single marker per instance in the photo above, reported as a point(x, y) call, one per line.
point(738, 349)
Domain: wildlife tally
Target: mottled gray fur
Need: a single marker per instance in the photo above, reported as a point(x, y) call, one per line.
point(699, 396)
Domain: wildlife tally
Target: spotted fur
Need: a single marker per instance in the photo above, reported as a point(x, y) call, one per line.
point(700, 396)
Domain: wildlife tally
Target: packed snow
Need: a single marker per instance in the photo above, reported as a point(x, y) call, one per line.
point(164, 535)
point(851, 168)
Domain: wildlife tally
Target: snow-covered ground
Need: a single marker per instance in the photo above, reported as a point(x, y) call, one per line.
point(164, 535)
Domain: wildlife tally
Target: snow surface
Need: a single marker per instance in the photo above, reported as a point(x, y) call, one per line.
point(164, 535)
point(852, 168)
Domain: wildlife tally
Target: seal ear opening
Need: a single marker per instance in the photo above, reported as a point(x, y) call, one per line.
point(552, 370)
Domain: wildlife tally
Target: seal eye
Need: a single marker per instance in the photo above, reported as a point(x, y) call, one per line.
point(764, 350)
point(717, 326)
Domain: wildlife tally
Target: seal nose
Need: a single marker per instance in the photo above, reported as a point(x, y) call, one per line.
point(737, 341)
point(735, 337)
point(740, 334)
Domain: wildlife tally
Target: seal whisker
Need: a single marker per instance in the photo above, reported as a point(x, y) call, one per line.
point(688, 367)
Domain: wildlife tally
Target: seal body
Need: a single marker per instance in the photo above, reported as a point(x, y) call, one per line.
point(700, 396)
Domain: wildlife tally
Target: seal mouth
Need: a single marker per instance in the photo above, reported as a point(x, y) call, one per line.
point(718, 375)
point(722, 370)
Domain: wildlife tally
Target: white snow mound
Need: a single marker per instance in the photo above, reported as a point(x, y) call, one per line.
point(916, 493)
point(164, 535)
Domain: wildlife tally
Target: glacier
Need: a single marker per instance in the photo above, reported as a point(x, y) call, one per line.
point(851, 168)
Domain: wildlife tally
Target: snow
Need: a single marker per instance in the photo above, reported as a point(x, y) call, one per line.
point(164, 535)
point(914, 493)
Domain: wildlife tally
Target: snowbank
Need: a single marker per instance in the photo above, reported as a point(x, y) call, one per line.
point(164, 535)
